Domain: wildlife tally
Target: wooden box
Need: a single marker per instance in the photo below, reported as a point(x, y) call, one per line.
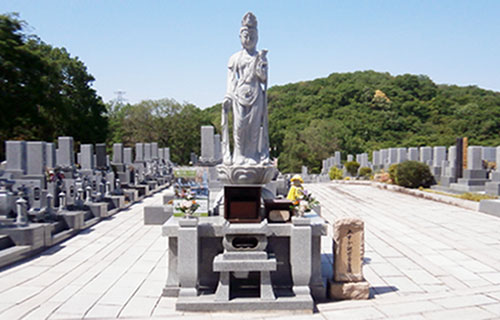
point(242, 204)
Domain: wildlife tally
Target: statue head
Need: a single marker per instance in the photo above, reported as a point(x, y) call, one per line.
point(248, 31)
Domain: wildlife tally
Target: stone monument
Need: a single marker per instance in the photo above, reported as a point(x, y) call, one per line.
point(348, 280)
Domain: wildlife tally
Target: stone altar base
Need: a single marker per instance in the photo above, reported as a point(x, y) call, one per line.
point(196, 247)
point(474, 180)
point(207, 303)
point(131, 195)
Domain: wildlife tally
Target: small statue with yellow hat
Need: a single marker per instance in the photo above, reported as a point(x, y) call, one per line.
point(296, 190)
point(302, 200)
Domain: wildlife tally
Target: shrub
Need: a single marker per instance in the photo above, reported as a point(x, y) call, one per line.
point(393, 168)
point(352, 168)
point(365, 172)
point(413, 174)
point(335, 173)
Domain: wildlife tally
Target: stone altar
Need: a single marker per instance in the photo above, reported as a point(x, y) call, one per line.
point(194, 245)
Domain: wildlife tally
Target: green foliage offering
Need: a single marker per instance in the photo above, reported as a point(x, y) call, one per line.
point(335, 173)
point(365, 172)
point(413, 174)
point(392, 171)
point(45, 92)
point(352, 167)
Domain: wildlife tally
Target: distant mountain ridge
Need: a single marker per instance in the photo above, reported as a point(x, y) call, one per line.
point(367, 110)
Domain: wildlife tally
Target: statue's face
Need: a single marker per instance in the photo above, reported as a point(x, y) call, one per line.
point(248, 38)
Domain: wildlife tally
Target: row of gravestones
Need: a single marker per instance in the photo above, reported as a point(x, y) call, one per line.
point(44, 191)
point(446, 165)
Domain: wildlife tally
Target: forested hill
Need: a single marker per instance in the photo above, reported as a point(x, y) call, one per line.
point(363, 111)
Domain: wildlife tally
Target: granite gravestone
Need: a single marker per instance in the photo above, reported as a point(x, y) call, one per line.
point(493, 187)
point(166, 154)
point(139, 152)
point(100, 152)
point(376, 160)
point(207, 145)
point(148, 153)
point(154, 151)
point(439, 155)
point(87, 157)
point(65, 152)
point(127, 156)
point(449, 170)
point(36, 154)
point(117, 153)
point(413, 154)
point(426, 155)
point(338, 159)
point(51, 155)
point(217, 148)
point(393, 156)
point(402, 155)
point(474, 177)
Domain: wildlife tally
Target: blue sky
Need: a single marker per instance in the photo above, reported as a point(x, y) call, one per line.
point(179, 49)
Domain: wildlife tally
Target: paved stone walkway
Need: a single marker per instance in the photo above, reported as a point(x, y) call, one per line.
point(424, 260)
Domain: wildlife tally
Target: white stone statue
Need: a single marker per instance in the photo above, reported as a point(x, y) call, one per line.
point(246, 97)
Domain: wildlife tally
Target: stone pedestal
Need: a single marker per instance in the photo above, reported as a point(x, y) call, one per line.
point(172, 286)
point(473, 180)
point(300, 255)
point(187, 267)
point(74, 219)
point(98, 209)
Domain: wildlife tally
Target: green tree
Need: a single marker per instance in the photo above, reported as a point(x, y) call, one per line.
point(44, 92)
